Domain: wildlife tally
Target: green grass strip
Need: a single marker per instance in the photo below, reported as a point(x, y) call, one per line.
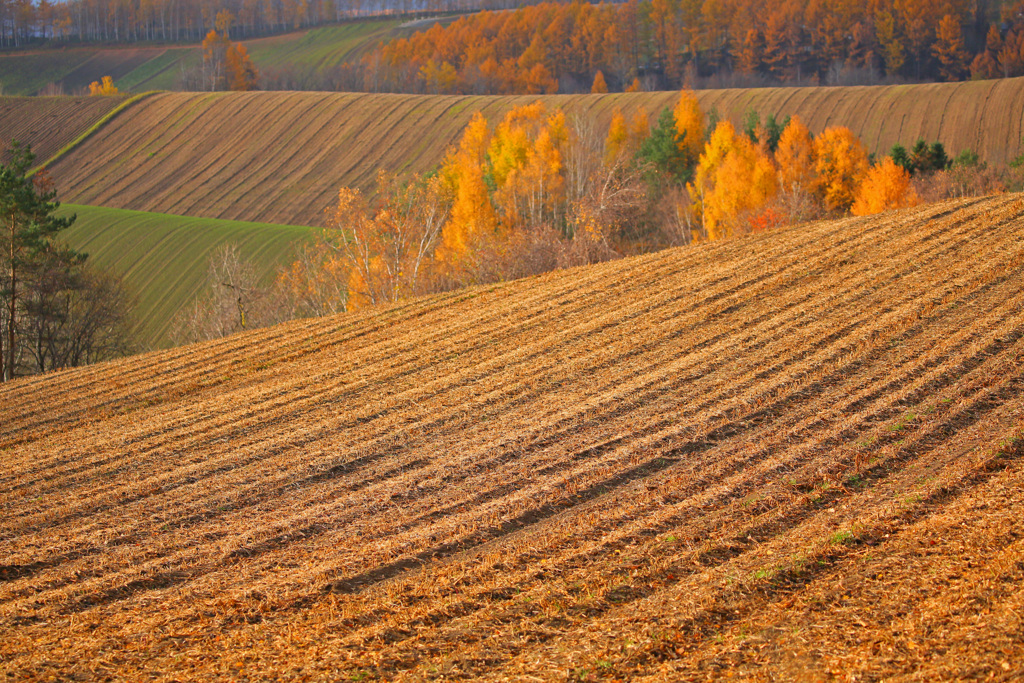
point(92, 129)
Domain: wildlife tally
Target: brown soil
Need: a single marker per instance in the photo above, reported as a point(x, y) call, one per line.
point(793, 456)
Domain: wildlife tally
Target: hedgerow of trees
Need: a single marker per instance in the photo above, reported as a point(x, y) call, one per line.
point(57, 311)
point(539, 190)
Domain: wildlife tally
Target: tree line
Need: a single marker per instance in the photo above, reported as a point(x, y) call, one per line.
point(539, 190)
point(56, 310)
point(666, 44)
point(27, 22)
point(565, 47)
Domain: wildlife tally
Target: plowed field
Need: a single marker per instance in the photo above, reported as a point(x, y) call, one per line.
point(280, 157)
point(48, 123)
point(794, 456)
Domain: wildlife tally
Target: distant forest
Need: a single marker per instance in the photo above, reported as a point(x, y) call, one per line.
point(575, 47)
point(28, 22)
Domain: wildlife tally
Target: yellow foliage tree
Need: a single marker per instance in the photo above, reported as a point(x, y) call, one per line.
point(625, 138)
point(640, 126)
point(526, 161)
point(107, 87)
point(886, 186)
point(388, 245)
point(840, 164)
point(795, 157)
point(689, 125)
point(599, 86)
point(472, 215)
point(732, 180)
point(618, 136)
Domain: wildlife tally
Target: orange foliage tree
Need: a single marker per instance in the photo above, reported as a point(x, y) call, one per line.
point(472, 216)
point(733, 179)
point(241, 72)
point(886, 186)
point(226, 64)
point(840, 164)
point(795, 157)
point(689, 126)
point(949, 48)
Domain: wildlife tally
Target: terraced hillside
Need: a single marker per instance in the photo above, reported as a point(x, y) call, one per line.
point(164, 258)
point(790, 456)
point(172, 153)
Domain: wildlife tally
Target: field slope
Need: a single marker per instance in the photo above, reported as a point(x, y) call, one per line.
point(795, 456)
point(280, 157)
point(163, 258)
point(156, 67)
point(47, 124)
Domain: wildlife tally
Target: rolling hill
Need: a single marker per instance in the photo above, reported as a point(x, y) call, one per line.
point(48, 124)
point(158, 67)
point(792, 456)
point(163, 258)
point(170, 152)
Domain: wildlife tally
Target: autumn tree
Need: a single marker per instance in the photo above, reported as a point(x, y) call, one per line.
point(525, 157)
point(893, 51)
point(599, 86)
point(316, 282)
point(104, 87)
point(1011, 54)
point(840, 164)
point(241, 72)
point(949, 48)
point(731, 180)
point(794, 157)
point(689, 120)
point(472, 215)
point(749, 57)
point(387, 243)
point(986, 64)
point(604, 186)
point(226, 65)
point(886, 186)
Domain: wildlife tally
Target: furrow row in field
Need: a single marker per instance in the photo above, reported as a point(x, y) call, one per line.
point(301, 147)
point(675, 444)
point(47, 124)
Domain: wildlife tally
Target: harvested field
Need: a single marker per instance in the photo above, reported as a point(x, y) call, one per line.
point(289, 152)
point(48, 123)
point(794, 456)
point(164, 259)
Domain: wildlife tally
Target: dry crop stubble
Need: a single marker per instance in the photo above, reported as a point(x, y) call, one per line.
point(604, 471)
